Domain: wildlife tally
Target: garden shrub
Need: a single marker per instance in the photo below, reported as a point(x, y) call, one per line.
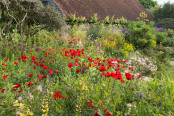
point(157, 52)
point(115, 45)
point(169, 42)
point(170, 32)
point(141, 35)
point(161, 37)
point(94, 31)
point(122, 22)
point(166, 23)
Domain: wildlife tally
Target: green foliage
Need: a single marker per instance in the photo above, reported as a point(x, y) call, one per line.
point(106, 20)
point(141, 35)
point(94, 32)
point(75, 20)
point(161, 54)
point(77, 88)
point(20, 15)
point(161, 37)
point(94, 19)
point(169, 42)
point(165, 11)
point(148, 4)
point(72, 20)
point(122, 21)
point(167, 23)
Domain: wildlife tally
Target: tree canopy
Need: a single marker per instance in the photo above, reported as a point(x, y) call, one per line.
point(165, 11)
point(21, 15)
point(148, 4)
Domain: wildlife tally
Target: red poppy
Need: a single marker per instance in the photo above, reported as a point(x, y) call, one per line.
point(44, 77)
point(91, 106)
point(102, 69)
point(70, 65)
point(76, 64)
point(17, 85)
point(23, 60)
point(3, 68)
point(76, 60)
point(39, 76)
point(30, 83)
point(77, 70)
point(128, 76)
point(50, 71)
point(108, 114)
point(57, 95)
point(41, 64)
point(33, 58)
point(118, 75)
point(4, 77)
point(20, 91)
point(6, 59)
point(19, 58)
point(30, 75)
point(56, 71)
point(122, 81)
point(2, 90)
point(124, 61)
point(108, 74)
point(89, 59)
point(23, 56)
point(96, 113)
point(45, 67)
point(15, 63)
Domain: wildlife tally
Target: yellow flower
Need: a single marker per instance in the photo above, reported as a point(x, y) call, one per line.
point(21, 114)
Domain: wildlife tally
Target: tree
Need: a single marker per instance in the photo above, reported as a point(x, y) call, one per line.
point(148, 4)
point(165, 11)
point(18, 16)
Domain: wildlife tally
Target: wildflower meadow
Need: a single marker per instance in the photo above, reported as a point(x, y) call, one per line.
point(88, 69)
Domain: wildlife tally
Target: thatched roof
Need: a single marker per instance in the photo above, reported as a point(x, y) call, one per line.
point(129, 9)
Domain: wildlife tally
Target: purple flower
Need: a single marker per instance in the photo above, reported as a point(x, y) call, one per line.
point(28, 50)
point(23, 49)
point(37, 49)
point(160, 103)
point(159, 29)
point(124, 30)
point(149, 100)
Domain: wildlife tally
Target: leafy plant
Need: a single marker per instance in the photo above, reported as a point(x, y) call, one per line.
point(165, 11)
point(141, 35)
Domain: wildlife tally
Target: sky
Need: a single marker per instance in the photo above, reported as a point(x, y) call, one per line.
point(161, 2)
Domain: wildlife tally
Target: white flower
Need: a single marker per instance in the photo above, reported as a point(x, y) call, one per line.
point(17, 112)
point(19, 98)
point(39, 88)
point(129, 105)
point(114, 62)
